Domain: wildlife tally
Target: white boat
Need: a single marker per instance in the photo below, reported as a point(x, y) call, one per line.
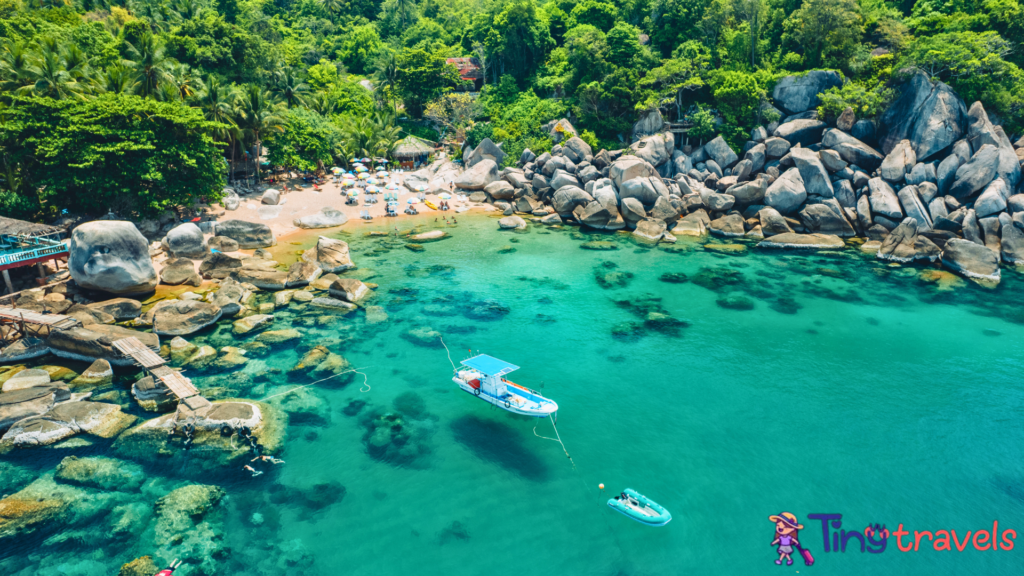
point(484, 378)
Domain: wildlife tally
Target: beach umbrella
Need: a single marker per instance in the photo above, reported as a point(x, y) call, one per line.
point(353, 192)
point(348, 182)
point(391, 186)
point(413, 200)
point(361, 169)
point(336, 170)
point(382, 174)
point(373, 181)
point(353, 159)
point(421, 187)
point(373, 189)
point(365, 160)
point(445, 196)
point(363, 176)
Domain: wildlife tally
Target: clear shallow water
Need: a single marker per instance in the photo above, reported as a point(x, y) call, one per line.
point(882, 398)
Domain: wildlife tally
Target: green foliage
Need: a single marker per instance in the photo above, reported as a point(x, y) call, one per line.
point(122, 151)
point(308, 142)
point(359, 48)
point(866, 102)
point(423, 77)
point(703, 124)
point(737, 96)
point(601, 15)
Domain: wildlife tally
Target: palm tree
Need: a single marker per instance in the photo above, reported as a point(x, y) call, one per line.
point(150, 63)
point(48, 76)
point(15, 65)
point(216, 103)
point(406, 9)
point(386, 74)
point(292, 90)
point(322, 104)
point(332, 7)
point(188, 9)
point(258, 114)
point(117, 79)
point(184, 80)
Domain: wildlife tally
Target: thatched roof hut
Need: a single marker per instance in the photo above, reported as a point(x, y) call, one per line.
point(411, 148)
point(23, 228)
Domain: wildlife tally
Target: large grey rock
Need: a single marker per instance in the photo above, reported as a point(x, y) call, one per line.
point(119, 308)
point(559, 179)
point(914, 208)
point(183, 317)
point(832, 162)
point(825, 219)
point(272, 197)
point(971, 260)
point(560, 130)
point(813, 173)
point(632, 211)
point(728, 226)
point(512, 223)
point(748, 193)
point(980, 130)
point(1015, 203)
point(756, 155)
point(845, 194)
point(720, 202)
point(646, 190)
point(971, 228)
point(776, 147)
point(302, 273)
point(905, 245)
point(479, 176)
point(27, 402)
point(67, 419)
point(656, 149)
point(884, 200)
point(937, 209)
point(864, 217)
point(1009, 162)
point(992, 200)
point(486, 150)
point(802, 132)
point(230, 297)
point(772, 223)
point(1012, 244)
point(991, 233)
point(568, 198)
point(649, 230)
point(945, 174)
point(852, 150)
point(976, 174)
point(219, 265)
point(649, 123)
point(353, 290)
point(921, 173)
point(787, 193)
point(928, 114)
point(863, 130)
point(719, 151)
point(178, 271)
point(899, 161)
point(795, 94)
point(794, 241)
point(94, 341)
point(664, 210)
point(629, 167)
point(186, 241)
point(327, 217)
point(502, 190)
point(111, 256)
point(595, 215)
point(249, 235)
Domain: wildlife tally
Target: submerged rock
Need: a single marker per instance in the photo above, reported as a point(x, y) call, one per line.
point(972, 260)
point(67, 419)
point(804, 241)
point(101, 472)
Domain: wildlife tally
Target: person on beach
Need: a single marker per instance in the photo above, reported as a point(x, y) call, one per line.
point(270, 459)
point(170, 568)
point(786, 530)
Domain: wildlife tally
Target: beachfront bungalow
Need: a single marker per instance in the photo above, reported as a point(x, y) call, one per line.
point(411, 151)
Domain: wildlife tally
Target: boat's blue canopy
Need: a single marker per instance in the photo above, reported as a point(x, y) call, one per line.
point(489, 365)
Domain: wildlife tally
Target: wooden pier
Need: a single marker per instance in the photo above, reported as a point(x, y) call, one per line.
point(152, 363)
point(17, 323)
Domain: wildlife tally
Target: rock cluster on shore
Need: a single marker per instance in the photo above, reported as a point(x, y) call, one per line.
point(926, 172)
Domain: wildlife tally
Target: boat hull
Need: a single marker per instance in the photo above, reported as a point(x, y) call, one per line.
point(660, 517)
point(515, 402)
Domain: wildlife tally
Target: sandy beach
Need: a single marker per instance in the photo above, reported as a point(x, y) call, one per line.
point(300, 199)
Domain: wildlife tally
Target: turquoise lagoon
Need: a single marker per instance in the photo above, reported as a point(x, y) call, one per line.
point(827, 383)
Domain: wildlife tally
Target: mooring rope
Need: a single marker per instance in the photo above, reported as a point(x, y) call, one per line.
point(448, 352)
point(356, 370)
point(558, 438)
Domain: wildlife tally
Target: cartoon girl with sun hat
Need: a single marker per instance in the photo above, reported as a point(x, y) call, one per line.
point(786, 530)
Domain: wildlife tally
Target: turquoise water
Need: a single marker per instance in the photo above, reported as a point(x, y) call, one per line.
point(865, 391)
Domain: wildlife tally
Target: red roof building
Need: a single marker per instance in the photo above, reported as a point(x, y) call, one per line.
point(469, 70)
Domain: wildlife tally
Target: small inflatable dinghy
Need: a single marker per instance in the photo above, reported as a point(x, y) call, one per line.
point(640, 508)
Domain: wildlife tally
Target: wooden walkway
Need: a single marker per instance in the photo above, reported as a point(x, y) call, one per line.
point(145, 357)
point(16, 323)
